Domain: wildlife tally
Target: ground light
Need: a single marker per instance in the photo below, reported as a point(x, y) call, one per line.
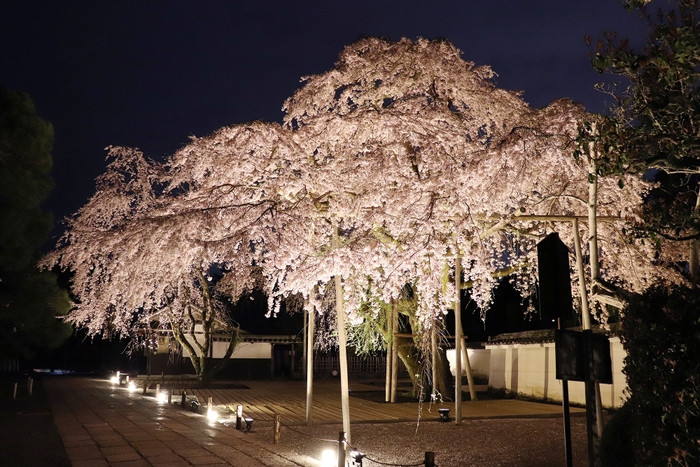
point(444, 414)
point(248, 424)
point(356, 459)
point(328, 458)
point(161, 397)
point(132, 386)
point(212, 415)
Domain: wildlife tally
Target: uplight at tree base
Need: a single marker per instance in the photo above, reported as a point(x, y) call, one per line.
point(329, 458)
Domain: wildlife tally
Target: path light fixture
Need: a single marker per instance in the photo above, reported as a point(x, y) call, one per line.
point(120, 378)
point(444, 414)
point(355, 458)
point(248, 424)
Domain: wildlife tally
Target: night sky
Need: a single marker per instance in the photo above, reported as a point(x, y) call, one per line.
point(149, 74)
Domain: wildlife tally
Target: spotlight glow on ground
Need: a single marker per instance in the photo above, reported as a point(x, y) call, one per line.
point(161, 397)
point(328, 458)
point(212, 415)
point(132, 386)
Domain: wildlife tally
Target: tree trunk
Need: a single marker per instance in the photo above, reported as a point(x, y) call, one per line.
point(408, 355)
point(443, 377)
point(203, 364)
point(695, 251)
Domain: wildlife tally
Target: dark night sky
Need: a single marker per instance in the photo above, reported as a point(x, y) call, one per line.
point(149, 74)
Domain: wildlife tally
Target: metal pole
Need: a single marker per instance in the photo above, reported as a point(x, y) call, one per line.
point(567, 415)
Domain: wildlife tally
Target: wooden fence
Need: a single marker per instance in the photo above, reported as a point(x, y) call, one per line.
point(370, 366)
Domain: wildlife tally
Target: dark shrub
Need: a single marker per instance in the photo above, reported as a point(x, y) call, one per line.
point(661, 333)
point(616, 449)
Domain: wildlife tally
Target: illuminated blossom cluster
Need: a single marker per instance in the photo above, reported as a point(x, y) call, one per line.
point(386, 167)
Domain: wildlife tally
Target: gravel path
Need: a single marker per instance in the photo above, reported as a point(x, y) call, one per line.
point(525, 442)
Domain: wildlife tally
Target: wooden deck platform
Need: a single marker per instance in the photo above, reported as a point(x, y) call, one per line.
point(262, 399)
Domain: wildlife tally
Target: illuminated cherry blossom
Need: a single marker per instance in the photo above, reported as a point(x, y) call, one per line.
point(386, 167)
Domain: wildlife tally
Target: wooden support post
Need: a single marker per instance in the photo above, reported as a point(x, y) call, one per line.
point(458, 341)
point(31, 386)
point(277, 428)
point(593, 410)
point(310, 366)
point(183, 402)
point(170, 396)
point(394, 351)
point(389, 346)
point(342, 344)
point(239, 417)
point(341, 449)
point(433, 359)
point(210, 404)
point(305, 336)
point(467, 365)
point(157, 390)
point(342, 351)
point(14, 393)
point(429, 459)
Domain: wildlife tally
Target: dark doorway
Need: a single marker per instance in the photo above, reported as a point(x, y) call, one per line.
point(282, 360)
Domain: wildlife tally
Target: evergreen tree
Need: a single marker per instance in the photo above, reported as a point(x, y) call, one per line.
point(655, 125)
point(30, 300)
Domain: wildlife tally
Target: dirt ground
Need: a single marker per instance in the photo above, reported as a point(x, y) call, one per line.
point(524, 442)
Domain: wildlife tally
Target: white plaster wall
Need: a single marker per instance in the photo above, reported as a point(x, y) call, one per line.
point(530, 369)
point(479, 359)
point(244, 350)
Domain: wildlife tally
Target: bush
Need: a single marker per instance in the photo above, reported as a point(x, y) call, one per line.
point(661, 333)
point(616, 448)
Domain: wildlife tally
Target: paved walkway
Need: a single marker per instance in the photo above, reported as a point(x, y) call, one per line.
point(102, 425)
